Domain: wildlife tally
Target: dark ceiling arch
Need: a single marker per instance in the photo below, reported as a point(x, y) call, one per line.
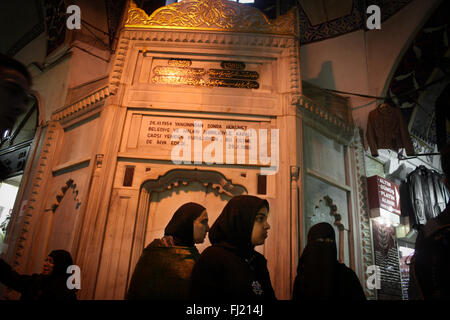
point(421, 75)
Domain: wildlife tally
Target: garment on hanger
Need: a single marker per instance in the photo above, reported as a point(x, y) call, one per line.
point(386, 129)
point(425, 197)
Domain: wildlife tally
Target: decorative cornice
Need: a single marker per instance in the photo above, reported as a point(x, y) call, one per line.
point(304, 102)
point(211, 15)
point(191, 37)
point(82, 104)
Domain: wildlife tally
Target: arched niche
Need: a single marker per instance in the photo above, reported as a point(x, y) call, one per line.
point(170, 190)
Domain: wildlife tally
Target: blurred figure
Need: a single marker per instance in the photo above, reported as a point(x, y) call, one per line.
point(231, 268)
point(15, 83)
point(164, 269)
point(430, 265)
point(320, 276)
point(51, 284)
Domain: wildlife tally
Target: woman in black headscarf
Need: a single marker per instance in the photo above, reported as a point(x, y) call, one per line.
point(319, 274)
point(230, 268)
point(164, 269)
point(51, 284)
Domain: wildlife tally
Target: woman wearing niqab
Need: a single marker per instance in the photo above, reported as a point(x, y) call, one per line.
point(320, 276)
point(164, 268)
point(231, 268)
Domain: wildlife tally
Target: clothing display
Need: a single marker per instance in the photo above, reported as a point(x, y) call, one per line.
point(423, 195)
point(386, 129)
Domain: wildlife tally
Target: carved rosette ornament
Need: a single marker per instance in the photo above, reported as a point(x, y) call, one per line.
point(214, 15)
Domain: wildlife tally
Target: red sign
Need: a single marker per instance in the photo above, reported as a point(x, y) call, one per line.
point(383, 194)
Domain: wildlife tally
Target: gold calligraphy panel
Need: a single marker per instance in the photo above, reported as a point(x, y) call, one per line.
point(180, 62)
point(179, 72)
point(232, 65)
point(233, 74)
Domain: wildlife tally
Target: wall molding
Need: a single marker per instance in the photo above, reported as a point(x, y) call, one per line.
point(83, 105)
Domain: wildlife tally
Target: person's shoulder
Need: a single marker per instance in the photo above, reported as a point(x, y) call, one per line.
point(217, 253)
point(346, 270)
point(444, 217)
point(437, 223)
point(260, 256)
point(213, 250)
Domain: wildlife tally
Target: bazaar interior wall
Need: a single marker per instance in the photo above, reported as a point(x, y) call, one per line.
point(363, 61)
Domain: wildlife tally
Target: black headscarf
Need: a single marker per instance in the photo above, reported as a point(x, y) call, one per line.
point(61, 260)
point(234, 226)
point(317, 267)
point(181, 226)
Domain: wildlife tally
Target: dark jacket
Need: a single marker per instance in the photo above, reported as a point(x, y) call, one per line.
point(222, 274)
point(164, 268)
point(231, 268)
point(319, 275)
point(162, 272)
point(386, 129)
point(427, 195)
point(36, 286)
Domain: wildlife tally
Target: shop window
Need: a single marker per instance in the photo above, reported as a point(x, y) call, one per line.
point(8, 192)
point(15, 145)
point(327, 196)
point(24, 128)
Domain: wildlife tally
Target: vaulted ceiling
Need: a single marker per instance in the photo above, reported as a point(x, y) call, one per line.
point(425, 62)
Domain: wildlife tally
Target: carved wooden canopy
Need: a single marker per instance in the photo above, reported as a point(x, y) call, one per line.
point(212, 15)
point(180, 177)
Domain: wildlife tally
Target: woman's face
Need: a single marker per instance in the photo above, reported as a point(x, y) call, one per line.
point(201, 227)
point(49, 264)
point(260, 227)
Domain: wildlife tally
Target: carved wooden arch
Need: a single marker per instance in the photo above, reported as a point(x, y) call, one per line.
point(337, 221)
point(213, 181)
point(70, 184)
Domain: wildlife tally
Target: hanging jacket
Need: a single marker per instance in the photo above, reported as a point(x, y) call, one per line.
point(427, 195)
point(386, 129)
